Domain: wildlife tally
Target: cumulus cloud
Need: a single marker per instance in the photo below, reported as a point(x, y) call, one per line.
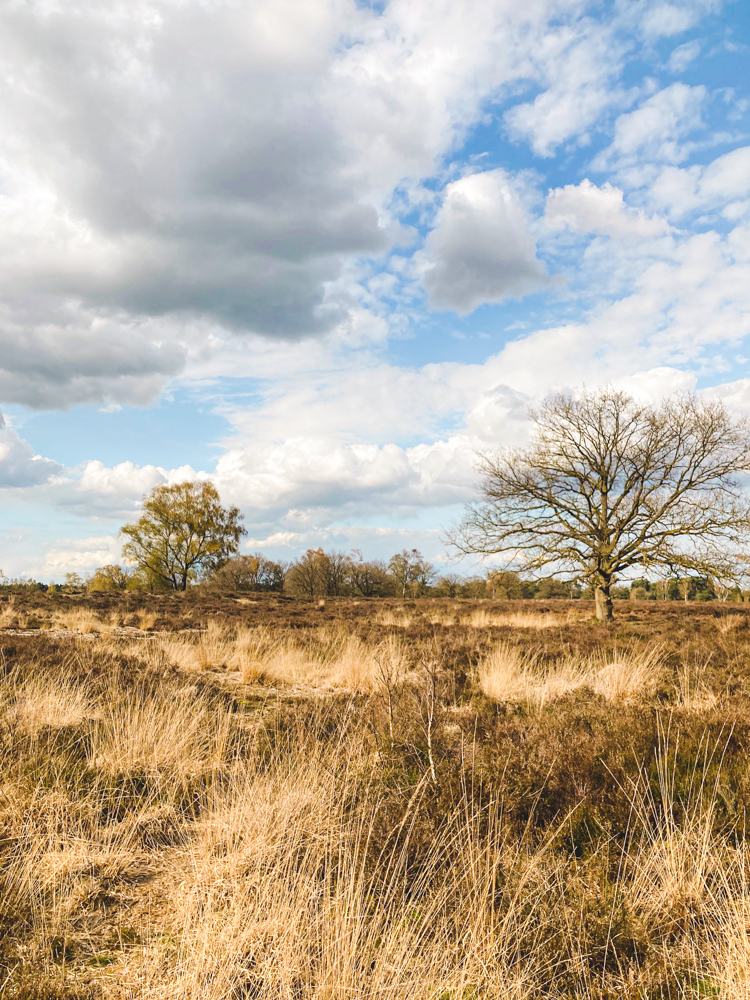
point(586, 208)
point(481, 249)
point(19, 466)
point(170, 170)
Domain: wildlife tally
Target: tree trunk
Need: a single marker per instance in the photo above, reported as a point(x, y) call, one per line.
point(603, 603)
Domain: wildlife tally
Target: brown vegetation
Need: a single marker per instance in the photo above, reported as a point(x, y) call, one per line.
point(213, 798)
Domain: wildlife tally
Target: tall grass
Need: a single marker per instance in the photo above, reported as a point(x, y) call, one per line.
point(166, 832)
point(481, 618)
point(508, 673)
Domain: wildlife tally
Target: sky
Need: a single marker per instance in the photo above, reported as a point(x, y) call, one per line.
point(323, 252)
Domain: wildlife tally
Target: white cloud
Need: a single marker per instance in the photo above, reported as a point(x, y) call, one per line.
point(151, 202)
point(736, 395)
point(79, 555)
point(683, 55)
point(579, 67)
point(481, 249)
point(19, 466)
point(586, 208)
point(666, 19)
point(722, 184)
point(658, 129)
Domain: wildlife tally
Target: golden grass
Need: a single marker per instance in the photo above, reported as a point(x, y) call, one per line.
point(482, 618)
point(42, 702)
point(270, 893)
point(684, 878)
point(233, 847)
point(162, 730)
point(726, 623)
point(146, 619)
point(510, 674)
point(82, 620)
point(8, 614)
point(314, 658)
point(394, 617)
point(692, 690)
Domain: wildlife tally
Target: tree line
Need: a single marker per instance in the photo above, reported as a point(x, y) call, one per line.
point(607, 485)
point(407, 575)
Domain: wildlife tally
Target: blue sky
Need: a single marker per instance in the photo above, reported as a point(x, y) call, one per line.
point(323, 252)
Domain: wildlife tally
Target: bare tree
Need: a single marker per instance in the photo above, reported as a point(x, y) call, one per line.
point(337, 569)
point(370, 579)
point(247, 573)
point(609, 483)
point(308, 577)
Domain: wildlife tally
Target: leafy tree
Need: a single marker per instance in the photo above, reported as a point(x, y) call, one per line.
point(609, 483)
point(73, 582)
point(504, 584)
point(337, 573)
point(108, 579)
point(183, 534)
point(320, 574)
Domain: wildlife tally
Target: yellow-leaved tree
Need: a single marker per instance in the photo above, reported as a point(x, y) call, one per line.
point(183, 534)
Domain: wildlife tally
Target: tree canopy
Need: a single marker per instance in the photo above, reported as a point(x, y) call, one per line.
point(183, 533)
point(609, 483)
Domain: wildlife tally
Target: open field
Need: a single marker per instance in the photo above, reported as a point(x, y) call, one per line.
point(440, 800)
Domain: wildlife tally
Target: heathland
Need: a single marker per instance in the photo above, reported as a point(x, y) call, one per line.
point(433, 799)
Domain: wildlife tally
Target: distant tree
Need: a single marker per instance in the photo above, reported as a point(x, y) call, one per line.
point(337, 574)
point(250, 573)
point(504, 584)
point(183, 534)
point(108, 579)
point(549, 588)
point(609, 483)
point(308, 577)
point(369, 579)
point(73, 582)
point(724, 574)
point(411, 572)
point(473, 586)
point(448, 585)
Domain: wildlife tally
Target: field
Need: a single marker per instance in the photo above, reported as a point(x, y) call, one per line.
point(433, 800)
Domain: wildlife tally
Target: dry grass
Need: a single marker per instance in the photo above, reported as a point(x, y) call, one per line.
point(82, 620)
point(8, 614)
point(43, 702)
point(511, 674)
point(327, 658)
point(692, 689)
point(394, 617)
point(158, 731)
point(146, 619)
point(726, 623)
point(482, 618)
point(168, 832)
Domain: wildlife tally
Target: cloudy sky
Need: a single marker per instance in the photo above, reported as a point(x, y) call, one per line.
point(321, 251)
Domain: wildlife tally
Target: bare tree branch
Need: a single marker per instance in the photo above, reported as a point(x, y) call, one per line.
point(609, 484)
